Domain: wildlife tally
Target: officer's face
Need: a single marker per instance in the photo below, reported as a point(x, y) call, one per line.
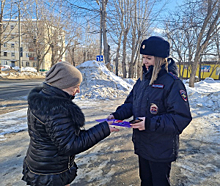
point(148, 60)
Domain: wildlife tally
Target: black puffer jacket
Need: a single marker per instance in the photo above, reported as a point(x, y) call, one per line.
point(54, 123)
point(166, 108)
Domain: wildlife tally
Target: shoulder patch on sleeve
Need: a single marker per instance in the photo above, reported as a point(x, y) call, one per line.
point(183, 95)
point(173, 75)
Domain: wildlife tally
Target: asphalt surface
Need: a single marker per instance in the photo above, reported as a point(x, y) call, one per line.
point(10, 89)
point(13, 93)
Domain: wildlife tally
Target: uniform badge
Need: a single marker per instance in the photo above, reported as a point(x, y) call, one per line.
point(153, 108)
point(183, 95)
point(143, 47)
point(157, 86)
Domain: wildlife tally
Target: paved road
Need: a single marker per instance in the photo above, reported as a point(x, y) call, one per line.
point(13, 93)
point(10, 89)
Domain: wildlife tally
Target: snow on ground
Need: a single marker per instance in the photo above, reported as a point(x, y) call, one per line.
point(13, 122)
point(205, 94)
point(26, 69)
point(198, 162)
point(100, 83)
point(26, 72)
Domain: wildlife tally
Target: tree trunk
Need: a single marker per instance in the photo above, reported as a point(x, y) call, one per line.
point(124, 71)
point(206, 31)
point(105, 43)
point(117, 54)
point(72, 57)
point(194, 69)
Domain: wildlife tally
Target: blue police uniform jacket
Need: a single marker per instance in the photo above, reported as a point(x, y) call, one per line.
point(166, 108)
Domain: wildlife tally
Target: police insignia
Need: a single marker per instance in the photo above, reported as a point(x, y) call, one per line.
point(153, 108)
point(183, 95)
point(143, 46)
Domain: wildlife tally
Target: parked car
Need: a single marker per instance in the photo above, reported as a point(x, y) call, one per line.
point(5, 67)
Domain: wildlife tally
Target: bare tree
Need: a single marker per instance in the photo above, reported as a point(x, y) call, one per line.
point(182, 36)
point(207, 31)
point(192, 30)
point(130, 22)
point(115, 18)
point(140, 24)
point(52, 32)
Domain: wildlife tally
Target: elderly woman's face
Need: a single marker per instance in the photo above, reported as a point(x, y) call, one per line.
point(73, 90)
point(148, 60)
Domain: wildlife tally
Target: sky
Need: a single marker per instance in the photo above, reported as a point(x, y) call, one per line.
point(168, 7)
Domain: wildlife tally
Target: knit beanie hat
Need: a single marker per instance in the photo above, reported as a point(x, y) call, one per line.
point(155, 46)
point(63, 75)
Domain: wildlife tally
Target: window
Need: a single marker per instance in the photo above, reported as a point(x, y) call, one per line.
point(27, 55)
point(5, 53)
point(27, 64)
point(12, 54)
point(13, 64)
point(5, 36)
point(5, 44)
point(12, 45)
point(12, 27)
point(34, 64)
point(12, 37)
point(4, 26)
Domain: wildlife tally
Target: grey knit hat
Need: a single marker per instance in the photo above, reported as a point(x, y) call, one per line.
point(63, 75)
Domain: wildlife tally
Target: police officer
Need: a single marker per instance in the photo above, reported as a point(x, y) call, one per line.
point(160, 100)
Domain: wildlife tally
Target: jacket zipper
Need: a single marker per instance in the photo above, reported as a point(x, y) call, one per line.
point(69, 163)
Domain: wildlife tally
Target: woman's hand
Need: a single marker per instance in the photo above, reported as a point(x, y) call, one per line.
point(112, 129)
point(140, 125)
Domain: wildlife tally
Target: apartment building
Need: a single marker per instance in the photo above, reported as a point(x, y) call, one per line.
point(10, 47)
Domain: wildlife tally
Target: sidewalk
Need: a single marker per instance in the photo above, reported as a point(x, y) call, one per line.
point(113, 162)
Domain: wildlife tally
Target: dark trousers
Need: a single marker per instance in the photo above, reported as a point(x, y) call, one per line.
point(154, 173)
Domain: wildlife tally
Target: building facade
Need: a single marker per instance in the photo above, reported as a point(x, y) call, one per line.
point(28, 56)
point(204, 70)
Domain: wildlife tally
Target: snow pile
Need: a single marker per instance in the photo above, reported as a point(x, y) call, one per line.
point(205, 94)
point(16, 68)
point(28, 69)
point(13, 122)
point(100, 83)
point(26, 73)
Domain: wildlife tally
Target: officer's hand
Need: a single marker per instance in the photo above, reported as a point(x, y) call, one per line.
point(110, 117)
point(140, 125)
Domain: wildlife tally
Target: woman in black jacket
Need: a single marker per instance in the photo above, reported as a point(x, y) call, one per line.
point(54, 126)
point(160, 100)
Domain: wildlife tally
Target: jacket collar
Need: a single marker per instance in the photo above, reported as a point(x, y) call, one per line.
point(148, 73)
point(54, 91)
